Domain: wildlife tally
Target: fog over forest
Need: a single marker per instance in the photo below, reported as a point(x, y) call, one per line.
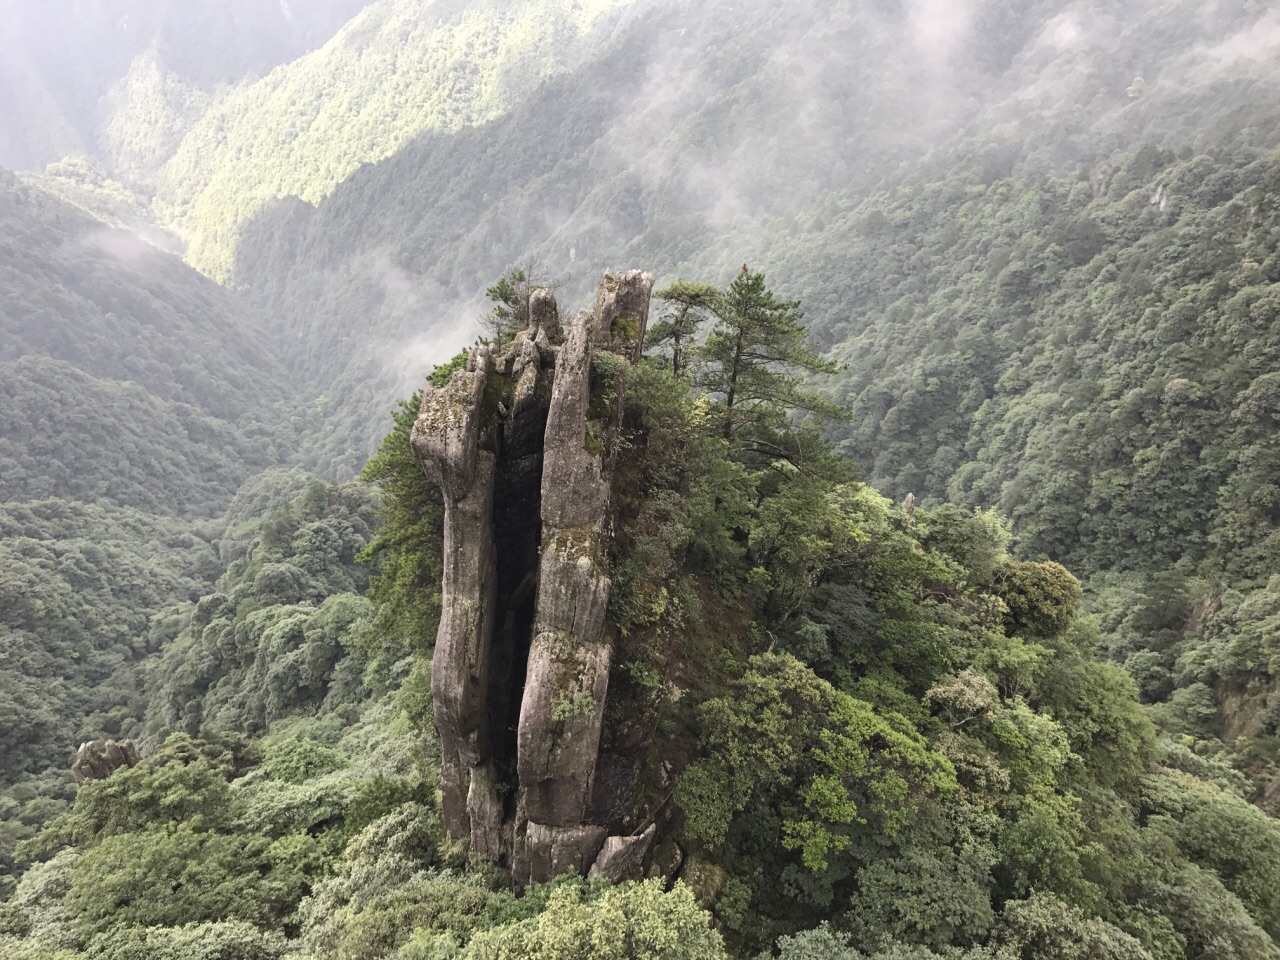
point(639, 478)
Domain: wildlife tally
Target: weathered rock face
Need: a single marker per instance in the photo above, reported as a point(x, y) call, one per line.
point(99, 759)
point(521, 443)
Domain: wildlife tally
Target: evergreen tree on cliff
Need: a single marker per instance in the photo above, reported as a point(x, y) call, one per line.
point(755, 360)
point(757, 354)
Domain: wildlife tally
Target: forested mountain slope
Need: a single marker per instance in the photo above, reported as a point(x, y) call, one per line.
point(90, 593)
point(80, 585)
point(74, 75)
point(127, 376)
point(1070, 318)
point(1090, 355)
point(690, 127)
point(136, 397)
point(702, 138)
point(395, 71)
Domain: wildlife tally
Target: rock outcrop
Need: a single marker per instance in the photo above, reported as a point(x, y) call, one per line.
point(522, 445)
point(99, 759)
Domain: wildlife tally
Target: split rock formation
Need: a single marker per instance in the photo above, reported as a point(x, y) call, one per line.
point(522, 444)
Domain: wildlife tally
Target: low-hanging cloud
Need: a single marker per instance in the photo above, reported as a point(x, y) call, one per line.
point(448, 323)
point(1258, 42)
point(939, 29)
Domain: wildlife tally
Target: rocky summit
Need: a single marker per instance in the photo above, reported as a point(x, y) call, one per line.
point(521, 443)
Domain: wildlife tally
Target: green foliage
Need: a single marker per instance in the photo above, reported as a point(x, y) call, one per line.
point(1045, 928)
point(206, 194)
point(137, 397)
point(1042, 599)
point(81, 598)
point(755, 355)
point(822, 943)
point(837, 764)
point(283, 631)
point(186, 836)
point(1005, 412)
point(176, 841)
point(675, 333)
point(178, 784)
point(37, 913)
point(406, 549)
point(1096, 704)
point(1065, 316)
point(103, 88)
point(296, 761)
point(510, 299)
point(1236, 840)
point(822, 784)
point(439, 377)
point(448, 208)
point(220, 940)
point(936, 888)
point(641, 921)
point(124, 445)
point(383, 859)
point(929, 756)
point(168, 876)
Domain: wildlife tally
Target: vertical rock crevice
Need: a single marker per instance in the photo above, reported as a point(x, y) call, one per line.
point(522, 444)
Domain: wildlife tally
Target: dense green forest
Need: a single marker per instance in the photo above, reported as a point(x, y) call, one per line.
point(665, 147)
point(745, 135)
point(978, 661)
point(402, 74)
point(898, 740)
point(136, 397)
point(128, 377)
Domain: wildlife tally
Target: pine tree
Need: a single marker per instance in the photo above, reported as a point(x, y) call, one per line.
point(677, 331)
point(510, 299)
point(757, 355)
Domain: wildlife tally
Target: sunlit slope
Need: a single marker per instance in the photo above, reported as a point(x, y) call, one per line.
point(63, 65)
point(695, 127)
point(400, 68)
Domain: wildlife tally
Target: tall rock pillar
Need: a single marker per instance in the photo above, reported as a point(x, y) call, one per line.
point(447, 440)
point(522, 444)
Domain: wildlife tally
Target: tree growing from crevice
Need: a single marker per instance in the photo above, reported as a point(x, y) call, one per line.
point(510, 298)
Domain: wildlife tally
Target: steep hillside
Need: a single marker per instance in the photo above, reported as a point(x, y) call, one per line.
point(69, 72)
point(1070, 318)
point(680, 642)
point(87, 186)
point(700, 139)
point(1054, 271)
point(89, 593)
point(395, 71)
point(1090, 353)
point(136, 397)
point(691, 126)
point(80, 586)
point(128, 376)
